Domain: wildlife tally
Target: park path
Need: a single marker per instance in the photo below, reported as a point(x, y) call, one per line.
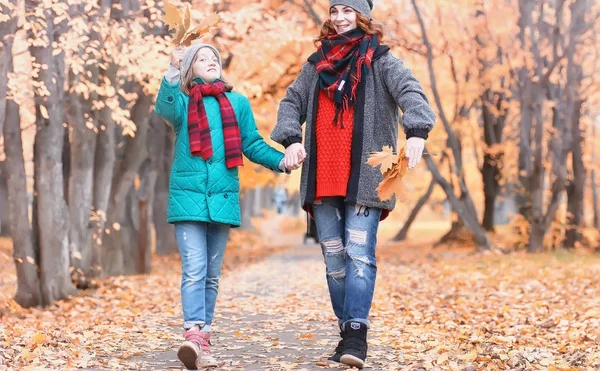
point(273, 315)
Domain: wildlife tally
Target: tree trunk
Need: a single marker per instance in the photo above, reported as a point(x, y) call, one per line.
point(166, 242)
point(4, 215)
point(401, 236)
point(595, 199)
point(576, 188)
point(28, 285)
point(144, 256)
point(52, 213)
point(468, 219)
point(493, 127)
point(81, 186)
point(122, 238)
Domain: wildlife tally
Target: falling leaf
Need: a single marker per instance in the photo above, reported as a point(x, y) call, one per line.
point(30, 260)
point(77, 255)
point(116, 226)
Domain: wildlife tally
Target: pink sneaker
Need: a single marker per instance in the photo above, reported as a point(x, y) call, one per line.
point(191, 349)
point(206, 359)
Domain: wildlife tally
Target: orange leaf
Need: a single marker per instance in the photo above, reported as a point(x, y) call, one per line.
point(178, 35)
point(172, 15)
point(187, 17)
point(386, 159)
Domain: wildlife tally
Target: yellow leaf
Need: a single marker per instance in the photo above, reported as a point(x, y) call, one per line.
point(28, 355)
point(187, 17)
point(77, 255)
point(172, 15)
point(39, 338)
point(30, 260)
point(443, 358)
point(116, 226)
point(178, 35)
point(44, 112)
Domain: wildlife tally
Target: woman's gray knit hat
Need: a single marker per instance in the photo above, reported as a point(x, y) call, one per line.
point(189, 54)
point(361, 6)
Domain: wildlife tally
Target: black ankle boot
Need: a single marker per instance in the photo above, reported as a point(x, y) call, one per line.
point(355, 345)
point(339, 350)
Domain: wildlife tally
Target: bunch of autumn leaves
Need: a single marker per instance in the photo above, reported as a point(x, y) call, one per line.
point(185, 32)
point(393, 168)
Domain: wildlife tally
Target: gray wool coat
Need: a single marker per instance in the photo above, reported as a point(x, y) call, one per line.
point(389, 85)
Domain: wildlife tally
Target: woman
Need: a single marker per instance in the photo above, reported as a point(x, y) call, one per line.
point(348, 93)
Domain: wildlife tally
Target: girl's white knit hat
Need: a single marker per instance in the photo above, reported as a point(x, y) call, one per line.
point(188, 57)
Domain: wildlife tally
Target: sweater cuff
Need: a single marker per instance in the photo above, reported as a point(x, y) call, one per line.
point(172, 75)
point(415, 132)
point(291, 140)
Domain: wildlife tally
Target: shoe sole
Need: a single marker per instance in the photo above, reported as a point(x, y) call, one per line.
point(351, 360)
point(188, 356)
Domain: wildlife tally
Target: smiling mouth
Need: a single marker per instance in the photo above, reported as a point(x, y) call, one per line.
point(212, 69)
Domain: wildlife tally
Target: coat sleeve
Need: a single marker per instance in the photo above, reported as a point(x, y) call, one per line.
point(253, 144)
point(293, 110)
point(169, 103)
point(418, 117)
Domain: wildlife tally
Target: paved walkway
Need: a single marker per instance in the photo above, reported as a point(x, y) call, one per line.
point(274, 315)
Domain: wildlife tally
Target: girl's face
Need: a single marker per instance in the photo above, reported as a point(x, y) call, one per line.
point(206, 66)
point(343, 18)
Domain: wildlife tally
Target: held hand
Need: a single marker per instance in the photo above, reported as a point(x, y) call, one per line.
point(294, 156)
point(177, 56)
point(414, 151)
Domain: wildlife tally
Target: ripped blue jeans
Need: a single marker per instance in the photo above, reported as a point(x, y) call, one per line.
point(202, 248)
point(348, 236)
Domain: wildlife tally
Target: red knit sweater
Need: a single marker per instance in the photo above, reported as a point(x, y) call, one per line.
point(334, 145)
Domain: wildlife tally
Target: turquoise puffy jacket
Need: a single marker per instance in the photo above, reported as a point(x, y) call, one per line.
point(208, 191)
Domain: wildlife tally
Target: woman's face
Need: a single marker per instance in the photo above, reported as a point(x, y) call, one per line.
point(343, 18)
point(206, 66)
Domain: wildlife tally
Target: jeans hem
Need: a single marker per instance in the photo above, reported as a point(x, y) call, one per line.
point(189, 324)
point(360, 320)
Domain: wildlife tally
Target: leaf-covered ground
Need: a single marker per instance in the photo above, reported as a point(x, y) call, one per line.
point(434, 309)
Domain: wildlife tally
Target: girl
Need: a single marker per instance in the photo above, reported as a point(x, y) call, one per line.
point(348, 93)
point(213, 127)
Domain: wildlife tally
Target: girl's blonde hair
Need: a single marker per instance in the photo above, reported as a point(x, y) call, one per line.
point(362, 21)
point(187, 82)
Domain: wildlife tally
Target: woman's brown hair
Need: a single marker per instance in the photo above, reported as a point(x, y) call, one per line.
point(362, 21)
point(187, 82)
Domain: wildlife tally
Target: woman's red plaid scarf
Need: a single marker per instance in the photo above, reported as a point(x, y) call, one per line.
point(199, 131)
point(342, 60)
